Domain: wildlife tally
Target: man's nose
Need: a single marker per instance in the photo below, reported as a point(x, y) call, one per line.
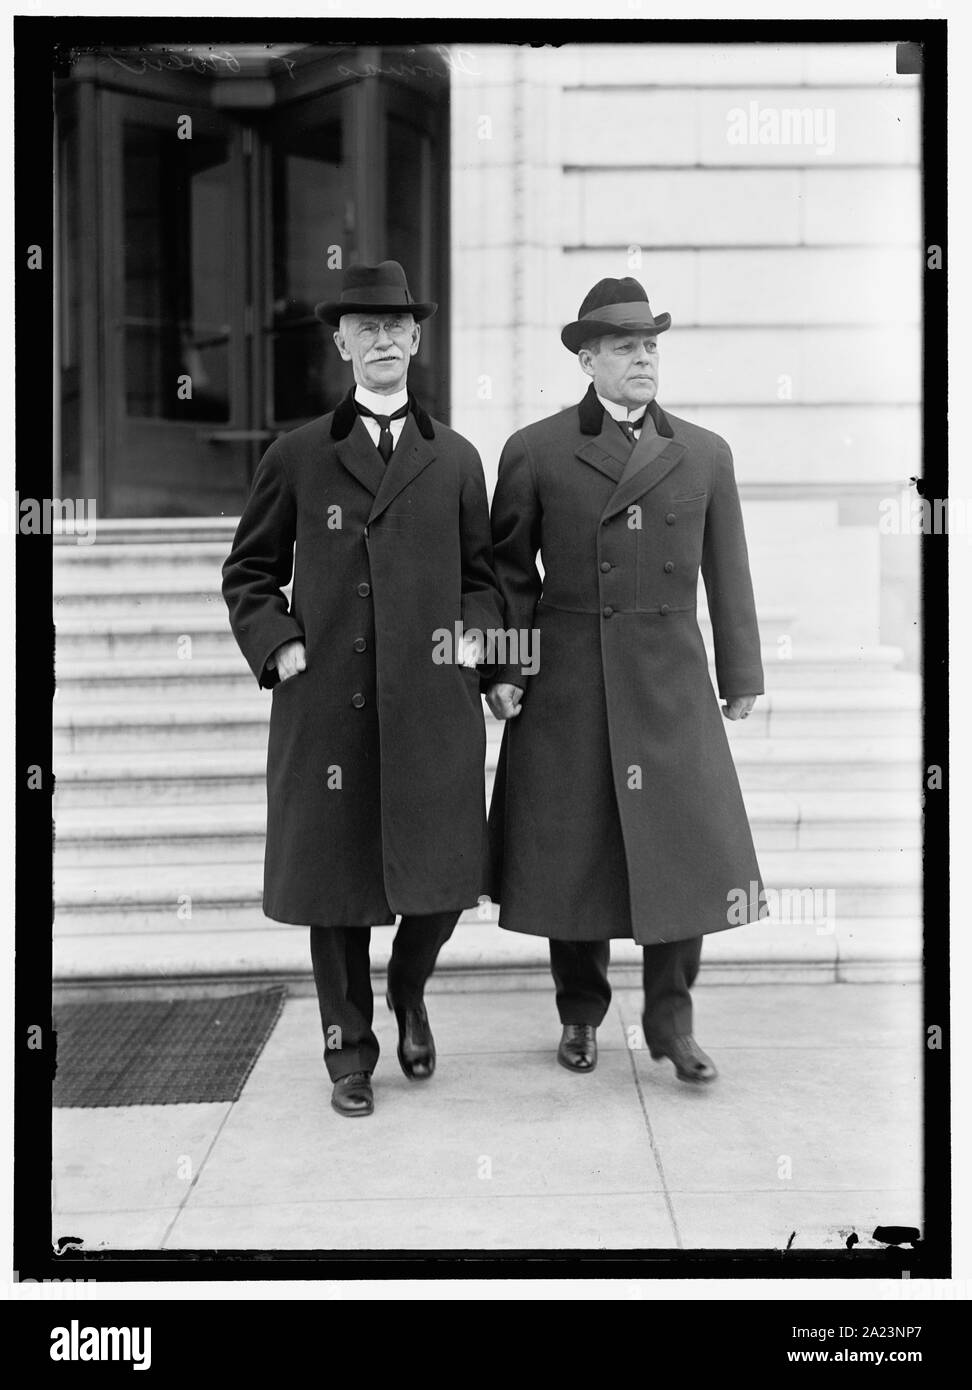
point(384, 339)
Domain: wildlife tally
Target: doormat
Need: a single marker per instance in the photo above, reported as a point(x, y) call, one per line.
point(155, 1052)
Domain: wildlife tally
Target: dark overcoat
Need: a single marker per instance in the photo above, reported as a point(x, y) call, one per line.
point(616, 809)
point(375, 765)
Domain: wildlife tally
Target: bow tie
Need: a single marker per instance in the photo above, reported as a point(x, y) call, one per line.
point(628, 427)
point(385, 442)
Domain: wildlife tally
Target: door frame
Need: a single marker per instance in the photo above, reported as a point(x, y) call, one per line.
point(115, 109)
point(94, 98)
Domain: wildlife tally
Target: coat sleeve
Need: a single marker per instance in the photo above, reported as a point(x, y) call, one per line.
point(260, 563)
point(729, 587)
point(516, 518)
point(482, 605)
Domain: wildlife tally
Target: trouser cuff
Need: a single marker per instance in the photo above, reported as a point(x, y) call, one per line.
point(344, 1062)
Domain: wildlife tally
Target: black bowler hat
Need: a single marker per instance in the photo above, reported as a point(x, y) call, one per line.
point(613, 306)
point(372, 289)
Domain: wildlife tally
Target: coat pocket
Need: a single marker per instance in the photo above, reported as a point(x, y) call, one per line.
point(282, 684)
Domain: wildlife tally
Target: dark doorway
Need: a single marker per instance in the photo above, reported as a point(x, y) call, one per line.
point(200, 220)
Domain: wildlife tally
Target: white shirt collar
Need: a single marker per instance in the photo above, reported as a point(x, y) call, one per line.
point(622, 412)
point(381, 405)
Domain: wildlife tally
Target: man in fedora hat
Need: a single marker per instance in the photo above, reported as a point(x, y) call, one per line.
point(616, 810)
point(375, 766)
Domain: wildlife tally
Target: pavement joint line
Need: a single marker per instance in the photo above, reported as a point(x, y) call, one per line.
point(655, 1151)
point(197, 1175)
point(106, 1211)
point(411, 1199)
point(493, 1197)
point(793, 1191)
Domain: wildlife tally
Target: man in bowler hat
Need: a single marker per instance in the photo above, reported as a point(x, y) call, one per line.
point(375, 764)
point(616, 810)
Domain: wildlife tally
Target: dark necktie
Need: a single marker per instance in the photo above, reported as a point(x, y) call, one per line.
point(385, 442)
point(628, 427)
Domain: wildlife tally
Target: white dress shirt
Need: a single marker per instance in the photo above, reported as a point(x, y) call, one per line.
point(381, 405)
point(623, 412)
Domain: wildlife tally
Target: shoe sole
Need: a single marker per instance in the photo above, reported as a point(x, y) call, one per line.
point(683, 1076)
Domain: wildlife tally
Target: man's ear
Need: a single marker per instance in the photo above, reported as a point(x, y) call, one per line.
point(341, 345)
point(586, 359)
point(416, 339)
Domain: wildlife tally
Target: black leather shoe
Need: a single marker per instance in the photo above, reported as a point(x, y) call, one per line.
point(691, 1063)
point(416, 1045)
point(352, 1094)
point(578, 1047)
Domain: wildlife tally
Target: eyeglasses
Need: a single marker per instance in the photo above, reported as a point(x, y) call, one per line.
point(395, 328)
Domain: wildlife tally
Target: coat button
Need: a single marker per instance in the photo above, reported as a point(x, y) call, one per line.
point(360, 645)
point(607, 612)
point(670, 519)
point(606, 566)
point(358, 700)
point(664, 610)
point(669, 566)
point(364, 589)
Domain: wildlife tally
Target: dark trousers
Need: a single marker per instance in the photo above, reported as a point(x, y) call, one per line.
point(580, 971)
point(342, 974)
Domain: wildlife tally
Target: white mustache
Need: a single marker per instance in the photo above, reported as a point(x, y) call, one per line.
point(386, 357)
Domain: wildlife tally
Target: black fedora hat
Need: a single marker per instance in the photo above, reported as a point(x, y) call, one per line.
point(372, 289)
point(613, 306)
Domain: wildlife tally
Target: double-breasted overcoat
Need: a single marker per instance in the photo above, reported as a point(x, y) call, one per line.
point(375, 762)
point(616, 809)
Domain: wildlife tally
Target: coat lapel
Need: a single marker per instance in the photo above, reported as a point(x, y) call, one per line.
point(607, 451)
point(359, 455)
point(635, 470)
point(413, 453)
point(651, 460)
point(354, 448)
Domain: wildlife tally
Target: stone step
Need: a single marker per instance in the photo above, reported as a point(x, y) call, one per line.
point(228, 775)
point(145, 533)
point(227, 675)
point(482, 956)
point(106, 557)
point(241, 722)
point(220, 678)
point(146, 596)
point(98, 636)
point(172, 897)
point(151, 835)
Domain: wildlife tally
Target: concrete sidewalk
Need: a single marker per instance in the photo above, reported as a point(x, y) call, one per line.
point(812, 1132)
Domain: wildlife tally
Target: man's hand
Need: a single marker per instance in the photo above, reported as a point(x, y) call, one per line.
point(504, 700)
point(289, 659)
point(739, 706)
point(470, 650)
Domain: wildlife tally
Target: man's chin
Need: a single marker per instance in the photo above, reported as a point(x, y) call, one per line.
point(385, 377)
point(638, 396)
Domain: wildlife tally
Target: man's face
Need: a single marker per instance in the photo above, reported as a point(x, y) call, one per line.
point(624, 368)
point(378, 346)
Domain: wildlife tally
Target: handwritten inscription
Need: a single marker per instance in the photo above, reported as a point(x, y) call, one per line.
point(139, 61)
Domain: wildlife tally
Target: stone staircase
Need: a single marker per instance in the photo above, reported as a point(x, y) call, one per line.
point(160, 741)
